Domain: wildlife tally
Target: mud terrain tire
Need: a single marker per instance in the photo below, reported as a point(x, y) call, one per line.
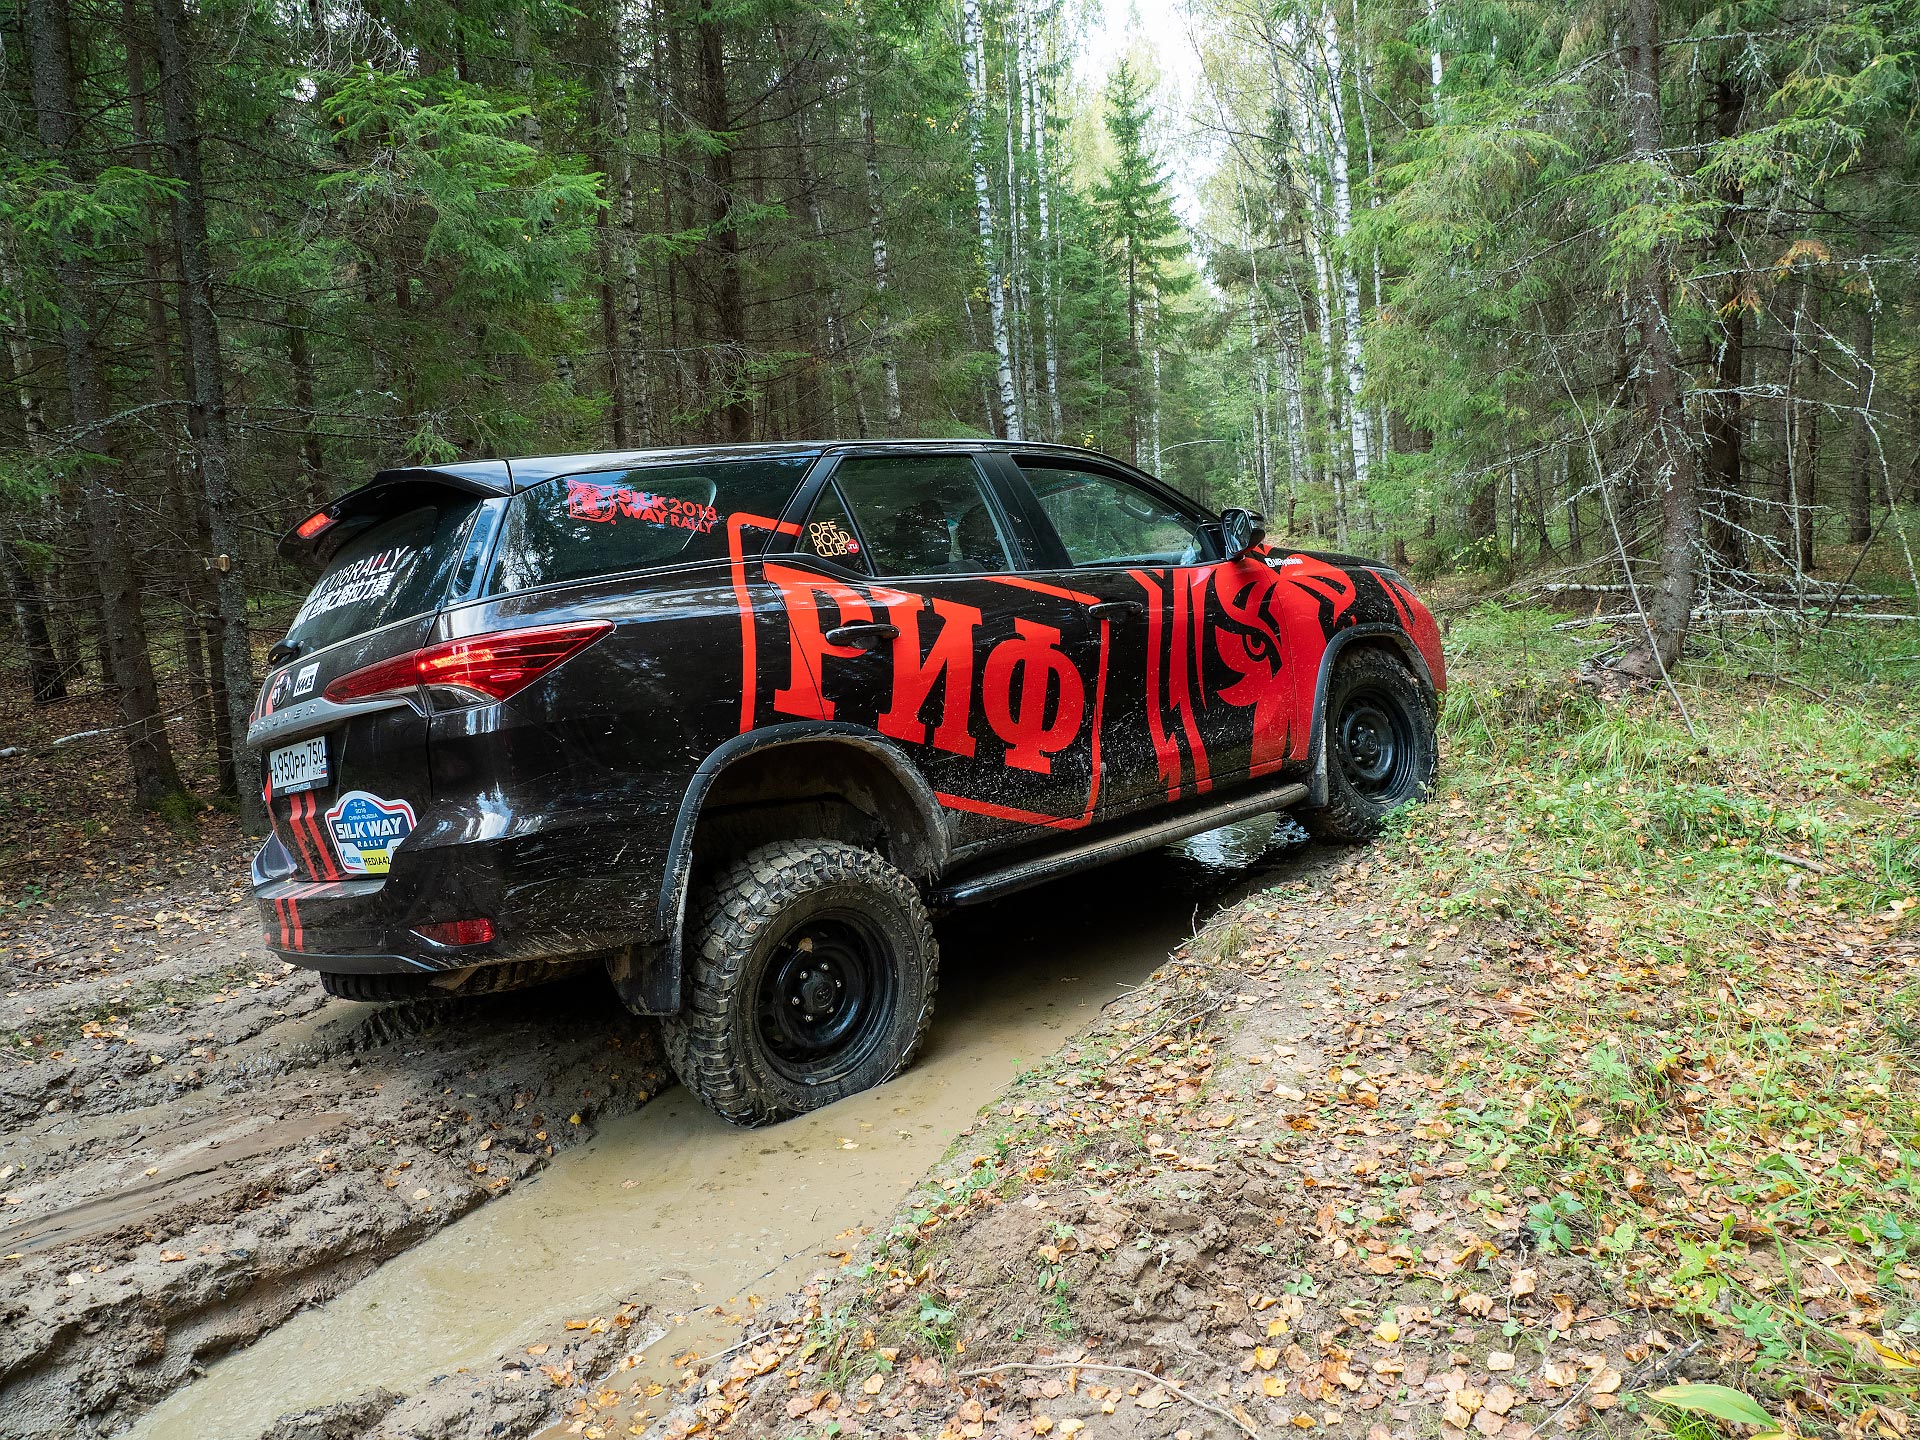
point(812, 968)
point(1380, 744)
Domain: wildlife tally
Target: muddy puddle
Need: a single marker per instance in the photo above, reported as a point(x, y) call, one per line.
point(673, 1208)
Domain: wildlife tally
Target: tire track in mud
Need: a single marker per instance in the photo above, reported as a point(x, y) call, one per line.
point(192, 1148)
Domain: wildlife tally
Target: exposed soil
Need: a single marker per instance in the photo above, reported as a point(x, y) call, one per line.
point(1231, 1208)
point(195, 1141)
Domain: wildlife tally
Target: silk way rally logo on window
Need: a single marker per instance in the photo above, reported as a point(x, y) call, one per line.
point(365, 830)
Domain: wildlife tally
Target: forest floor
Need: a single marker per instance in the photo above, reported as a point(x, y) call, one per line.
point(1594, 1077)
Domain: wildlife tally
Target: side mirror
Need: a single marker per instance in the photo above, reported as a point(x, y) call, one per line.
point(1242, 530)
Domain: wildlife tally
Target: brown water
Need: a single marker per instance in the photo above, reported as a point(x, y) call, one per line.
point(676, 1209)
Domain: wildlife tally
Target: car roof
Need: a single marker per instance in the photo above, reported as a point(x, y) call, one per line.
point(504, 476)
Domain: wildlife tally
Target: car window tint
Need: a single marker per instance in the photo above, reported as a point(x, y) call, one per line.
point(612, 521)
point(923, 514)
point(1102, 520)
point(829, 532)
point(396, 569)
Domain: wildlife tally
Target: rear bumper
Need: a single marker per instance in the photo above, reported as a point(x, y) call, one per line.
point(370, 926)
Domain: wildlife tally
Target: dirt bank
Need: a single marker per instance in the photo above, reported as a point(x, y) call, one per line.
point(195, 1141)
point(1231, 1208)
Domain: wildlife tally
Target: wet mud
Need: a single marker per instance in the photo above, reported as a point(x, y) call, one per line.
point(199, 1144)
point(259, 1223)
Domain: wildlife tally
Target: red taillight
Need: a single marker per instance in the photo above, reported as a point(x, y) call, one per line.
point(385, 677)
point(492, 667)
point(457, 932)
point(313, 525)
point(482, 669)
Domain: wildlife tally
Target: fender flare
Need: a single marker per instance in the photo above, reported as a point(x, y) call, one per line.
point(1317, 738)
point(658, 987)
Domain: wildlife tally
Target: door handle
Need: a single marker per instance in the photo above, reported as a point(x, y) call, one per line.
point(863, 635)
point(1116, 609)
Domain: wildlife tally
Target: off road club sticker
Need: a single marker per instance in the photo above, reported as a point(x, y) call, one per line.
point(365, 830)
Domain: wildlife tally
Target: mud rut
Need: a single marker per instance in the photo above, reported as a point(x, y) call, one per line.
point(202, 1144)
point(209, 1144)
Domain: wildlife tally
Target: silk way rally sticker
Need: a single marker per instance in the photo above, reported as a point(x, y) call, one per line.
point(365, 830)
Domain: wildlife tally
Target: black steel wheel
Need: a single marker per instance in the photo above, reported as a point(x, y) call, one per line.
point(812, 970)
point(1381, 747)
point(824, 997)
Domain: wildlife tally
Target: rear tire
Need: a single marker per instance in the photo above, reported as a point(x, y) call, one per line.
point(812, 969)
point(1380, 746)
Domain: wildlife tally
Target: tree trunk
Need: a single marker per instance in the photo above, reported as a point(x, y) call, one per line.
point(1042, 184)
point(209, 398)
point(149, 754)
point(44, 677)
point(1725, 498)
point(1670, 467)
point(1860, 482)
point(1803, 450)
point(313, 465)
point(876, 229)
point(973, 53)
point(1354, 362)
point(723, 238)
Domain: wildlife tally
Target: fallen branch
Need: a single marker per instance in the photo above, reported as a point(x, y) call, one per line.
point(1705, 616)
point(1135, 1371)
point(1805, 864)
point(1820, 589)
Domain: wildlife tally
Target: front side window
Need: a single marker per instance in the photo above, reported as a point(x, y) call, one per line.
point(924, 515)
point(613, 521)
point(393, 570)
point(1102, 520)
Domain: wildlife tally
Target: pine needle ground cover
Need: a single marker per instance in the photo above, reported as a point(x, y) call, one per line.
point(1584, 1101)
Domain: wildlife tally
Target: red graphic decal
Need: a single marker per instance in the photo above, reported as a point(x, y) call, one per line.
point(1034, 662)
point(947, 661)
point(1020, 582)
point(1214, 638)
point(801, 592)
point(607, 503)
point(1331, 587)
point(737, 527)
point(1250, 646)
point(1032, 817)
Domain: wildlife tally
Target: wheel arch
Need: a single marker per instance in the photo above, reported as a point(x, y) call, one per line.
point(1376, 635)
point(813, 776)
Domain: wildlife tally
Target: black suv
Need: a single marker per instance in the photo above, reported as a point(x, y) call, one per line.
point(733, 721)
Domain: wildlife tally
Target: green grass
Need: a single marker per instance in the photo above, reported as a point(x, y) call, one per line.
point(1715, 1092)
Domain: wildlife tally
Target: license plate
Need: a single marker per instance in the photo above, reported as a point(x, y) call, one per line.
point(293, 768)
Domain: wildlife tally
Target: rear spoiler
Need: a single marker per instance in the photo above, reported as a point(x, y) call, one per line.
point(322, 532)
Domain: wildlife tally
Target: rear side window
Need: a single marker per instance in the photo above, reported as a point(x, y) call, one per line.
point(396, 569)
point(612, 521)
point(922, 515)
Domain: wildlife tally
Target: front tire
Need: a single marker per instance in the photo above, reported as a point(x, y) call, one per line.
point(813, 968)
point(1380, 746)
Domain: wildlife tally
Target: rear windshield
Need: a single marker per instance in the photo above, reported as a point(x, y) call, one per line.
point(619, 520)
point(396, 569)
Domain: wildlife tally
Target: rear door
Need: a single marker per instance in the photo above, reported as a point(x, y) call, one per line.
point(345, 784)
point(1200, 696)
point(909, 610)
